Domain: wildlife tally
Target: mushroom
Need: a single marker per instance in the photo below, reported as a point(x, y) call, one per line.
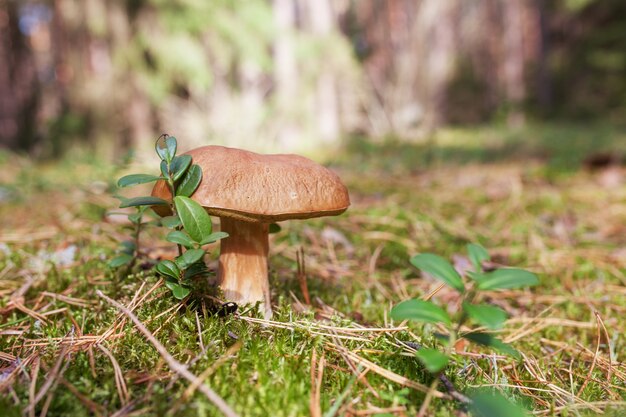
point(248, 192)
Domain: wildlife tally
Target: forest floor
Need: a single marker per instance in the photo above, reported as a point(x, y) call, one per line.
point(541, 199)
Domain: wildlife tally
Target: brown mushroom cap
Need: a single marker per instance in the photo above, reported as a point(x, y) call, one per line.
point(263, 188)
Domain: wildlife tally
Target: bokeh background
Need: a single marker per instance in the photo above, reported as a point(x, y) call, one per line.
point(300, 75)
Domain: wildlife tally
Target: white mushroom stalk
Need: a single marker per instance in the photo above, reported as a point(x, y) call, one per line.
point(243, 268)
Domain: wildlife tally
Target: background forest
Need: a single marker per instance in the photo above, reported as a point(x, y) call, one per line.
point(481, 262)
point(295, 75)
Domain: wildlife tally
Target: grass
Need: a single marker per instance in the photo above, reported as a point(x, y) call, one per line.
point(523, 195)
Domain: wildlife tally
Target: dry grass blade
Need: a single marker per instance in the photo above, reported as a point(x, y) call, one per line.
point(52, 379)
point(359, 374)
point(7, 357)
point(392, 376)
point(560, 395)
point(230, 352)
point(119, 376)
point(609, 370)
point(68, 300)
point(95, 409)
point(302, 276)
point(176, 366)
point(315, 407)
point(399, 410)
point(34, 374)
point(594, 360)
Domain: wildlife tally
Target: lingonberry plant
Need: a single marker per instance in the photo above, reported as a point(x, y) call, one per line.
point(128, 250)
point(191, 225)
point(473, 312)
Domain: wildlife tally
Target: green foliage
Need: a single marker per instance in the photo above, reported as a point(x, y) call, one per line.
point(135, 179)
point(440, 269)
point(180, 238)
point(168, 268)
point(195, 219)
point(179, 166)
point(489, 340)
point(419, 310)
point(432, 359)
point(191, 223)
point(120, 260)
point(190, 181)
point(143, 201)
point(128, 250)
point(505, 278)
point(171, 222)
point(492, 317)
point(491, 404)
point(477, 255)
point(486, 315)
point(165, 146)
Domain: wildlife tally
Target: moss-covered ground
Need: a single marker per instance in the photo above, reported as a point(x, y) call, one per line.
point(540, 198)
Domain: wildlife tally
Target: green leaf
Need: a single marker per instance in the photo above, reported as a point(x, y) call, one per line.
point(179, 291)
point(189, 257)
point(506, 278)
point(477, 255)
point(199, 268)
point(135, 179)
point(432, 359)
point(164, 169)
point(439, 268)
point(180, 238)
point(168, 268)
point(486, 339)
point(195, 219)
point(492, 404)
point(420, 310)
point(171, 222)
point(274, 228)
point(179, 166)
point(214, 237)
point(128, 247)
point(486, 315)
point(119, 260)
point(165, 147)
point(190, 181)
point(143, 201)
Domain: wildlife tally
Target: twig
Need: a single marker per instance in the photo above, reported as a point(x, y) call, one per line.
point(316, 384)
point(33, 386)
point(594, 361)
point(429, 397)
point(230, 352)
point(50, 383)
point(122, 391)
point(302, 275)
point(174, 365)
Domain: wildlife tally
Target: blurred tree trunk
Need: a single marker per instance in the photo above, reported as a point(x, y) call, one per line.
point(285, 69)
point(513, 60)
point(19, 86)
point(409, 54)
point(322, 21)
point(544, 84)
point(435, 30)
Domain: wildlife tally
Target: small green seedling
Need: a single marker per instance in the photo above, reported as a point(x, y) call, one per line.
point(473, 312)
point(191, 224)
point(128, 251)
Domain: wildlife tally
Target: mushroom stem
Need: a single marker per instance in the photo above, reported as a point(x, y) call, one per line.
point(242, 272)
